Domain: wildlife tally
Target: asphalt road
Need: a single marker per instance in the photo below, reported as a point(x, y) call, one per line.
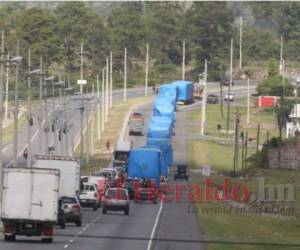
point(176, 228)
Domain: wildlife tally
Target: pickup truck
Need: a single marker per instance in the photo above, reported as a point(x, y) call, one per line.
point(89, 196)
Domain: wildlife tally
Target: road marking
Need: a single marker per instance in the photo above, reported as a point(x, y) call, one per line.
point(155, 225)
point(66, 246)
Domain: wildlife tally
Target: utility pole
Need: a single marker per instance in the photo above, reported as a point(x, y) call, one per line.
point(146, 69)
point(257, 142)
point(40, 118)
point(46, 126)
point(92, 131)
point(16, 112)
point(236, 144)
point(203, 114)
point(246, 150)
point(6, 89)
point(110, 81)
point(229, 88)
point(281, 56)
point(248, 101)
point(243, 149)
point(87, 135)
point(81, 68)
point(98, 110)
point(1, 117)
point(183, 60)
point(281, 105)
point(241, 39)
point(29, 111)
point(221, 100)
point(102, 101)
point(125, 76)
point(106, 91)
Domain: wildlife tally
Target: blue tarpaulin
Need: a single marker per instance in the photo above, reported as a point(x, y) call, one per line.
point(145, 163)
point(185, 90)
point(159, 130)
point(169, 91)
point(164, 107)
point(166, 147)
point(163, 119)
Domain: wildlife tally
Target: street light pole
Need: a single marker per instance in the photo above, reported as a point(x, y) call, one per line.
point(241, 39)
point(229, 88)
point(102, 100)
point(6, 89)
point(248, 101)
point(98, 110)
point(110, 81)
point(16, 112)
point(40, 118)
point(81, 68)
point(125, 75)
point(147, 70)
point(29, 111)
point(106, 91)
point(203, 115)
point(1, 118)
point(183, 60)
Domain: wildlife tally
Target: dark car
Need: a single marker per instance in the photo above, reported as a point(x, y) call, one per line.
point(181, 173)
point(226, 82)
point(213, 99)
point(72, 210)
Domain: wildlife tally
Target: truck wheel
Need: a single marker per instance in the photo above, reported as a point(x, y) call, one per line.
point(78, 223)
point(63, 225)
point(104, 211)
point(95, 208)
point(47, 240)
point(154, 201)
point(10, 237)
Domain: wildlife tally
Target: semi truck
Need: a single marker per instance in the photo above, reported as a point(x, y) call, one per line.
point(136, 124)
point(121, 153)
point(29, 202)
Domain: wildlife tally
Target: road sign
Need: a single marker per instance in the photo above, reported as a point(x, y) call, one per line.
point(81, 82)
point(206, 170)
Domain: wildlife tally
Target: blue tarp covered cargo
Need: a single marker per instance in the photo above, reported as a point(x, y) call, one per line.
point(145, 163)
point(164, 107)
point(159, 130)
point(169, 91)
point(185, 90)
point(163, 166)
point(162, 119)
point(166, 147)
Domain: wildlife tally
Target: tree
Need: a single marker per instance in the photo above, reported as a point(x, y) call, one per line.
point(273, 84)
point(36, 29)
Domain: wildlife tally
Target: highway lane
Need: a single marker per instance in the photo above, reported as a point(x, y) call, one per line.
point(115, 230)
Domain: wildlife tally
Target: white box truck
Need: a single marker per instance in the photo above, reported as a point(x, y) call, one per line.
point(29, 202)
point(121, 153)
point(69, 167)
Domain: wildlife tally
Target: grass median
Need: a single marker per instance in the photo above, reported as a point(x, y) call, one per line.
point(102, 156)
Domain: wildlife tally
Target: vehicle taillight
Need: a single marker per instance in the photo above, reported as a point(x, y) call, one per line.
point(76, 206)
point(48, 231)
point(8, 228)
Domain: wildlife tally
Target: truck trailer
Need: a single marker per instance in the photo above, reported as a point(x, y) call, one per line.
point(30, 202)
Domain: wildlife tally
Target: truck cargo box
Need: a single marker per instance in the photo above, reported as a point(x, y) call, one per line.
point(69, 167)
point(166, 147)
point(163, 166)
point(30, 194)
point(162, 119)
point(169, 91)
point(185, 90)
point(144, 163)
point(159, 130)
point(164, 107)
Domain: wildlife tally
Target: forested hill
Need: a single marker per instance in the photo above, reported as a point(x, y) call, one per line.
point(56, 29)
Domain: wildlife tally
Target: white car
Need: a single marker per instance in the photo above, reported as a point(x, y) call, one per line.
point(89, 195)
point(113, 171)
point(230, 97)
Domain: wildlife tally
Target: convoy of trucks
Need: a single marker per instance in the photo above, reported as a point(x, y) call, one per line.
point(54, 178)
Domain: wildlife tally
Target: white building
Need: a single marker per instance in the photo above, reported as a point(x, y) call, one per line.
point(293, 127)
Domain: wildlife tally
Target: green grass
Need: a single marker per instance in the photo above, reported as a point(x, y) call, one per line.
point(251, 227)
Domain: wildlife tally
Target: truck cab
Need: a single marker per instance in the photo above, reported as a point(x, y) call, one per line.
point(121, 153)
